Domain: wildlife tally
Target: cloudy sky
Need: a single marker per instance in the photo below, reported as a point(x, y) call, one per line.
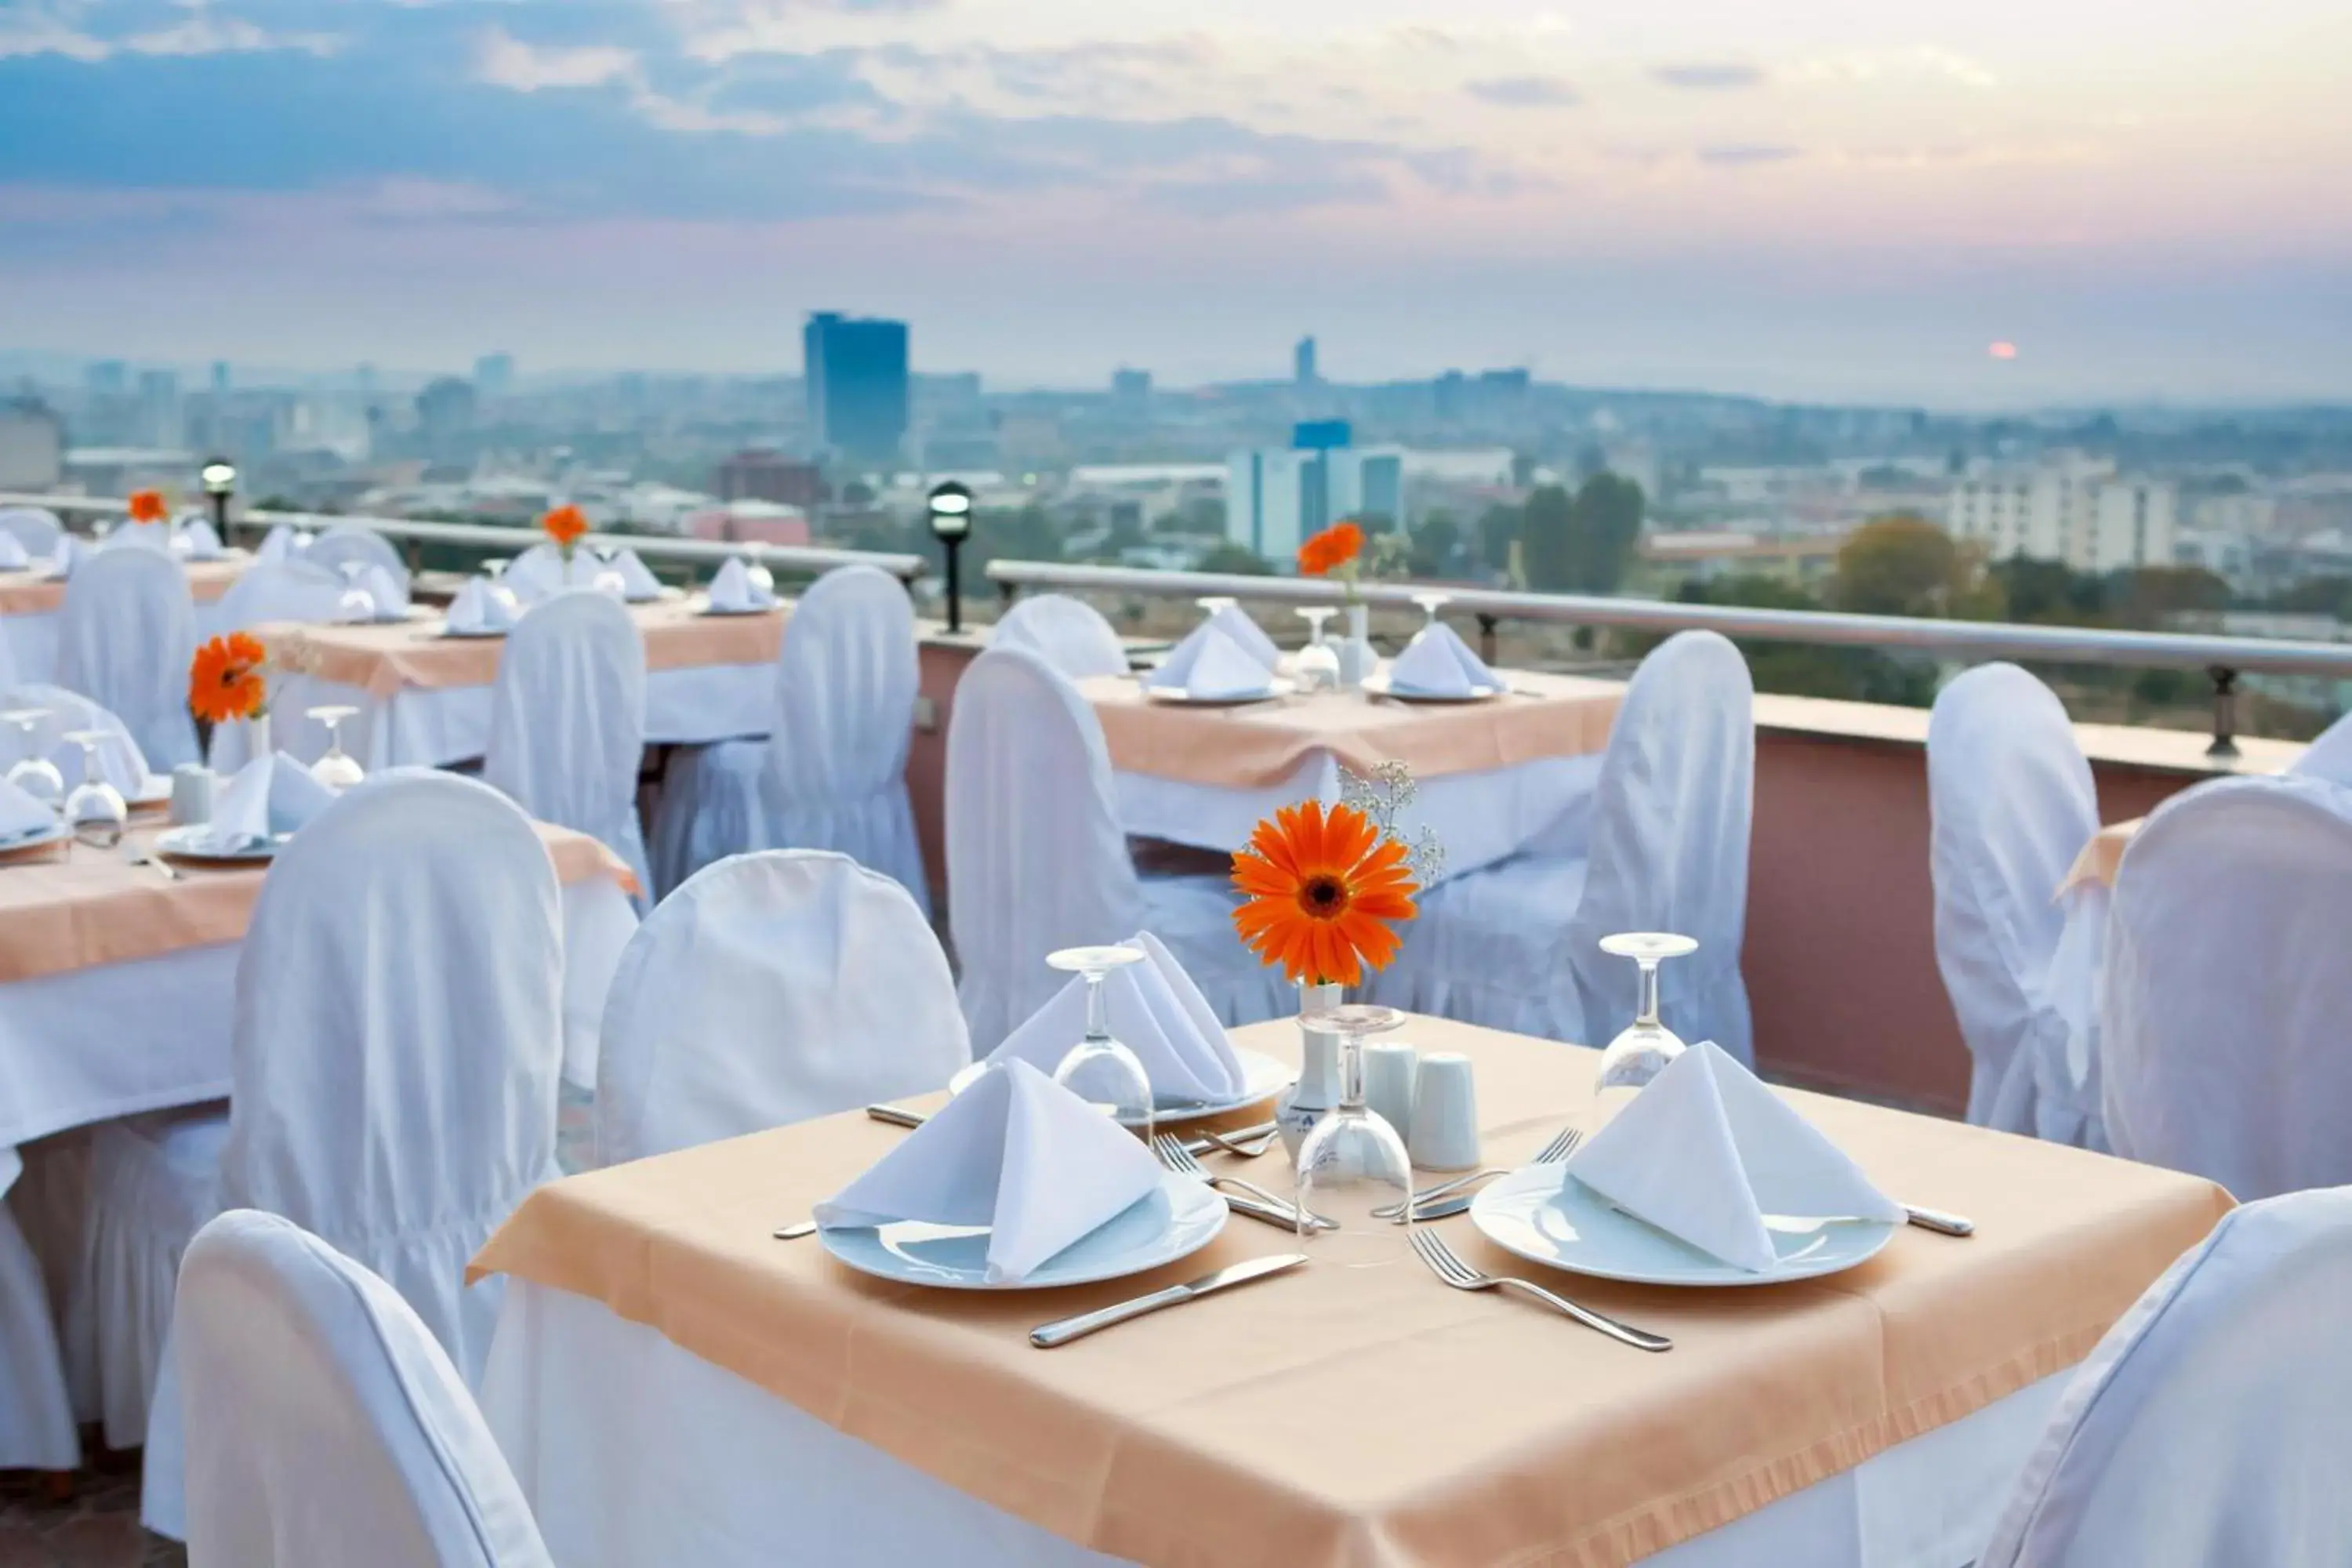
point(1809, 198)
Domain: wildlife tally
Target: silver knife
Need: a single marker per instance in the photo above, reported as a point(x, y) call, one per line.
point(1063, 1332)
point(1937, 1220)
point(897, 1116)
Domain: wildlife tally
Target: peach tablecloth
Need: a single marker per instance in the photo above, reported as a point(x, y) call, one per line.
point(61, 911)
point(28, 593)
point(2097, 862)
point(383, 659)
point(1374, 1418)
point(1264, 742)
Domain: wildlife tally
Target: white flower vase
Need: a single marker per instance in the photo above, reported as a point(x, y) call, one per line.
point(1302, 1105)
point(1356, 659)
point(257, 736)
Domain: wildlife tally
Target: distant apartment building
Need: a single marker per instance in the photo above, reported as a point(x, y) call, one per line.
point(756, 475)
point(1275, 496)
point(159, 415)
point(1303, 371)
point(2068, 507)
point(858, 390)
point(444, 416)
point(32, 446)
point(494, 374)
point(1674, 558)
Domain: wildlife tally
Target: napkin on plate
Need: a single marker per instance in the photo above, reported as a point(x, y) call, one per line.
point(1705, 1151)
point(21, 816)
point(13, 556)
point(1211, 664)
point(1155, 1011)
point(1438, 663)
point(1015, 1151)
point(203, 541)
point(732, 588)
point(270, 796)
point(382, 586)
point(477, 608)
point(1237, 624)
point(638, 585)
point(537, 572)
point(279, 545)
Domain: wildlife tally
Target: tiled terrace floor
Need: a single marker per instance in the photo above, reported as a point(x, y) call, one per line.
point(96, 1527)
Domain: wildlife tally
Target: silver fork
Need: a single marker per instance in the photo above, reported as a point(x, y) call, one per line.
point(1178, 1159)
point(1248, 1147)
point(1551, 1153)
point(1462, 1277)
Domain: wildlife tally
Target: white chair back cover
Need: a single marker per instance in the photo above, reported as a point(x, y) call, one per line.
point(2013, 804)
point(769, 988)
point(1036, 859)
point(126, 637)
point(2330, 756)
point(37, 1418)
point(328, 1423)
point(36, 528)
point(836, 771)
point(2225, 1026)
point(2211, 1424)
point(287, 590)
point(568, 721)
point(1670, 820)
point(349, 541)
point(130, 535)
point(1068, 633)
point(69, 711)
point(397, 1037)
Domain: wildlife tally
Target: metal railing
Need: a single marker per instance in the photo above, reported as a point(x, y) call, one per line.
point(2222, 658)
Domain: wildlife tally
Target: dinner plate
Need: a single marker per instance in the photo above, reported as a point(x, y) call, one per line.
point(1265, 1078)
point(190, 844)
point(1181, 1217)
point(34, 839)
point(707, 608)
point(1379, 685)
point(484, 635)
point(1548, 1217)
point(1275, 686)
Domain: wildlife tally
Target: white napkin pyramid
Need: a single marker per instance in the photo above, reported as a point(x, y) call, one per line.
point(1015, 1151)
point(1705, 1151)
point(537, 572)
point(478, 608)
point(1155, 1011)
point(21, 815)
point(638, 585)
point(279, 545)
point(13, 556)
point(270, 795)
point(1237, 624)
point(732, 588)
point(1440, 664)
point(203, 543)
point(1230, 628)
point(1211, 664)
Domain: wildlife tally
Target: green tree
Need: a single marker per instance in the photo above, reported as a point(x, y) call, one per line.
point(1238, 560)
point(2151, 595)
point(1607, 524)
point(2048, 590)
point(1436, 546)
point(1498, 530)
point(1903, 565)
point(1547, 545)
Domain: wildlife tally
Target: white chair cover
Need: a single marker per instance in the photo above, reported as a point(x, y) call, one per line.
point(2229, 1002)
point(37, 1417)
point(396, 1043)
point(328, 1424)
point(833, 773)
point(350, 541)
point(1068, 633)
point(2330, 756)
point(568, 721)
point(1036, 860)
point(289, 590)
point(130, 535)
point(2013, 804)
point(1667, 851)
point(36, 528)
point(126, 637)
point(771, 988)
point(2211, 1424)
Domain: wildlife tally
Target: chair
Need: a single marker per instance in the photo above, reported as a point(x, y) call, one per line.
point(126, 637)
point(285, 590)
point(833, 772)
point(331, 1426)
point(1516, 946)
point(1068, 633)
point(771, 988)
point(37, 1417)
point(2223, 1029)
point(2014, 803)
point(68, 711)
point(2210, 1424)
point(395, 1049)
point(2330, 756)
point(568, 721)
point(36, 528)
point(349, 542)
point(1036, 859)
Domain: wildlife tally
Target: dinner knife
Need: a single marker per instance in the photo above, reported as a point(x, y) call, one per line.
point(1064, 1331)
point(896, 1116)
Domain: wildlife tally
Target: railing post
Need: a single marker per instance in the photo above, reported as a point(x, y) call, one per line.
point(2225, 713)
point(1486, 649)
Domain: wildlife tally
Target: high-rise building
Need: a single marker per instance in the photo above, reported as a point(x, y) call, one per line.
point(107, 376)
point(159, 423)
point(855, 370)
point(32, 446)
point(1302, 362)
point(444, 416)
point(2068, 507)
point(1130, 388)
point(220, 376)
point(1275, 496)
point(494, 375)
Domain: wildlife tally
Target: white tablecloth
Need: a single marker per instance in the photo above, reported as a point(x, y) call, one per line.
point(633, 1451)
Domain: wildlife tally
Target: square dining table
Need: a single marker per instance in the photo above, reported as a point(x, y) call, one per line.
point(672, 1385)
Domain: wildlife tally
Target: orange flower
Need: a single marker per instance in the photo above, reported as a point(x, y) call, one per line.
point(147, 506)
point(1331, 549)
point(1322, 885)
point(564, 525)
point(226, 681)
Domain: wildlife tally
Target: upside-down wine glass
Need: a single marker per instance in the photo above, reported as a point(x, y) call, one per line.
point(35, 773)
point(1099, 1069)
point(1431, 601)
point(356, 604)
point(1642, 1049)
point(1317, 663)
point(495, 568)
point(336, 768)
point(608, 580)
point(95, 811)
point(1352, 1161)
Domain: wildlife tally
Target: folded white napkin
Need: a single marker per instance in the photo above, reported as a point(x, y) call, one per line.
point(732, 588)
point(203, 542)
point(1211, 664)
point(638, 584)
point(1237, 624)
point(1015, 1151)
point(391, 603)
point(270, 795)
point(1440, 664)
point(1228, 625)
point(537, 572)
point(13, 556)
point(1705, 1151)
point(281, 543)
point(478, 608)
point(60, 563)
point(1155, 1011)
point(21, 815)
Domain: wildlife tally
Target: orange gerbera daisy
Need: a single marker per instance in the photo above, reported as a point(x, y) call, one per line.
point(147, 506)
point(1330, 550)
point(1323, 885)
point(226, 681)
point(564, 525)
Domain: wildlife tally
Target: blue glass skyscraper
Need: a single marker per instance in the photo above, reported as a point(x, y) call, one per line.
point(857, 386)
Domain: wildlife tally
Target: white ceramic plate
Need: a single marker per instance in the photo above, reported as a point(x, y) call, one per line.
point(34, 839)
point(1547, 1216)
point(707, 608)
point(449, 631)
point(192, 844)
point(1275, 686)
point(1182, 1217)
point(1378, 684)
point(1265, 1078)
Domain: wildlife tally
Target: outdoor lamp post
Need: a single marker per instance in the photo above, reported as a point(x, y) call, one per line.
point(950, 505)
point(219, 477)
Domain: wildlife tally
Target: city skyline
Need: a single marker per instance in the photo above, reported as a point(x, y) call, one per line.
point(1820, 205)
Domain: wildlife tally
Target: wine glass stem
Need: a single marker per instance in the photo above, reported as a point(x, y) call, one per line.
point(1352, 1071)
point(1649, 1017)
point(1097, 1008)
